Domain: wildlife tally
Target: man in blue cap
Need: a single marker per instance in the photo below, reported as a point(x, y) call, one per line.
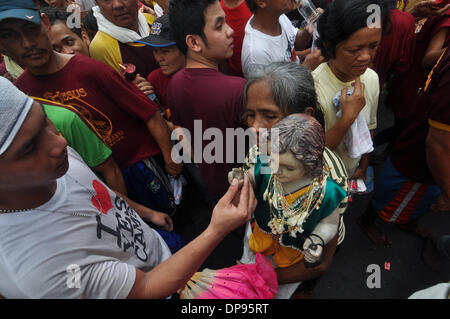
point(168, 56)
point(20, 9)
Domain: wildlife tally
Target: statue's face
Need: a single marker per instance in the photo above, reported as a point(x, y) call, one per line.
point(286, 167)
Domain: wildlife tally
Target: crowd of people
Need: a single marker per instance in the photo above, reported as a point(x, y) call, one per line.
point(102, 104)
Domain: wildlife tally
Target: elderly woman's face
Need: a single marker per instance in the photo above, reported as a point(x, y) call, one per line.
point(355, 55)
point(262, 112)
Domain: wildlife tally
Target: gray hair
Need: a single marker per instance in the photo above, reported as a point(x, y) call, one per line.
point(291, 84)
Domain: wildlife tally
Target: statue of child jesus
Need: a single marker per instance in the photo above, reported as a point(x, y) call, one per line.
point(298, 202)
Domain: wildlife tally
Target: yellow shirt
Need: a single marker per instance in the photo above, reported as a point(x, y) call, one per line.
point(105, 48)
point(327, 85)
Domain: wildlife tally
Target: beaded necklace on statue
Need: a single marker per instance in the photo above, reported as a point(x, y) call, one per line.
point(289, 218)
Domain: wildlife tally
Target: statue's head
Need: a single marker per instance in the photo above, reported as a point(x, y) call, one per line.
point(296, 148)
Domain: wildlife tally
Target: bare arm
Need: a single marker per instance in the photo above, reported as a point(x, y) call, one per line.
point(161, 133)
point(302, 40)
point(159, 219)
point(112, 175)
point(174, 273)
point(438, 150)
point(426, 8)
point(313, 59)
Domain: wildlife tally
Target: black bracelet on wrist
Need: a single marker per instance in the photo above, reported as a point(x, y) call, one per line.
point(321, 239)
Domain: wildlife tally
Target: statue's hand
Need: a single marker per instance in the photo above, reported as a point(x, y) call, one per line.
point(312, 251)
point(237, 173)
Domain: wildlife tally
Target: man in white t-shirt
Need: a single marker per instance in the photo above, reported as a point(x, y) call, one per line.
point(271, 37)
point(65, 234)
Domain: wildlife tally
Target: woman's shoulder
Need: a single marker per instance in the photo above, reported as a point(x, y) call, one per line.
point(320, 70)
point(370, 77)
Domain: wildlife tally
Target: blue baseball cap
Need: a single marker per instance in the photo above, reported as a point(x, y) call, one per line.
point(160, 35)
point(19, 9)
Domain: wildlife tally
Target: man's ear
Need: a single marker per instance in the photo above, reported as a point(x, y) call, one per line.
point(193, 43)
point(85, 38)
point(46, 21)
point(310, 111)
point(261, 3)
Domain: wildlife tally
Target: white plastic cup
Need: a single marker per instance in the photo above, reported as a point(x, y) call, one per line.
point(308, 11)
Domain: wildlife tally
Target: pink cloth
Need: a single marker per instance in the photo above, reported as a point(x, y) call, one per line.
point(244, 281)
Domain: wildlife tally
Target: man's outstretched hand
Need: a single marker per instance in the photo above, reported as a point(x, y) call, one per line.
point(427, 8)
point(227, 216)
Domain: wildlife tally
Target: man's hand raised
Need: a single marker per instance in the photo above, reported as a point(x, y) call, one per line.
point(227, 216)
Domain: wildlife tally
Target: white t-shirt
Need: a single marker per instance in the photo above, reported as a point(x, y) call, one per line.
point(69, 248)
point(260, 49)
point(327, 85)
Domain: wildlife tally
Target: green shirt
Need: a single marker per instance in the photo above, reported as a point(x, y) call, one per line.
point(78, 135)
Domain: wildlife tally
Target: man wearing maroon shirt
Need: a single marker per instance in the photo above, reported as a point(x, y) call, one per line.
point(126, 120)
point(200, 91)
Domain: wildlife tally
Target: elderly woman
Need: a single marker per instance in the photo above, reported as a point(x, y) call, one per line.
point(271, 94)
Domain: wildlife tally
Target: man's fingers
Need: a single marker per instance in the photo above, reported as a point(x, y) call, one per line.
point(359, 87)
point(243, 199)
point(357, 84)
point(169, 223)
point(343, 94)
point(252, 200)
point(443, 10)
point(231, 192)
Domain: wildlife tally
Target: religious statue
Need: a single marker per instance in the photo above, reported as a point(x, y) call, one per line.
point(298, 210)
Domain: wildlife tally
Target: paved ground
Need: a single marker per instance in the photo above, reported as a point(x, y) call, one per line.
point(348, 275)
